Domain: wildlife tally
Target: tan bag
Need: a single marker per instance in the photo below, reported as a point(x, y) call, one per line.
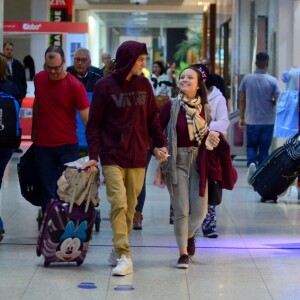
point(80, 185)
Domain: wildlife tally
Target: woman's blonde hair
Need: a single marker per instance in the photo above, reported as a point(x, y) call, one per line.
point(3, 68)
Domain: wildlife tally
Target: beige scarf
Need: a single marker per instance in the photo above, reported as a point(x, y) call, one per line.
point(197, 126)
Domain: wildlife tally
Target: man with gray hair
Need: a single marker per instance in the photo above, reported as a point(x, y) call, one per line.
point(82, 69)
point(106, 60)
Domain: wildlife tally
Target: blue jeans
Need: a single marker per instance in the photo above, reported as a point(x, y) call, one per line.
point(50, 165)
point(259, 140)
point(5, 156)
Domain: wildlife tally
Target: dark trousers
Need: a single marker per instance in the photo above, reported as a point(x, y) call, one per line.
point(142, 196)
point(50, 165)
point(5, 156)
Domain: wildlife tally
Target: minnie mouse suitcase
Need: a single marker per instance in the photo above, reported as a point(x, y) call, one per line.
point(64, 236)
point(66, 230)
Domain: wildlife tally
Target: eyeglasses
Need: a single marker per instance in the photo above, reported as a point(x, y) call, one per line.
point(81, 60)
point(57, 68)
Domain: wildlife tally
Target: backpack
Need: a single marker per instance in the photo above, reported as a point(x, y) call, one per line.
point(10, 131)
point(28, 178)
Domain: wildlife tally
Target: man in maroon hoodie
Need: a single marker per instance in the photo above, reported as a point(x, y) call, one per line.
point(123, 115)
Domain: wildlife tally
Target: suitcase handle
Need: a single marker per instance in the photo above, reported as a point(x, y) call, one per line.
point(93, 176)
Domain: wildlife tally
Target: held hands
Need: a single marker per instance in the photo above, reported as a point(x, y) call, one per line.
point(161, 154)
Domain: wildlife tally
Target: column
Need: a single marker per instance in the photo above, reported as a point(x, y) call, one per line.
point(295, 33)
point(285, 37)
point(39, 42)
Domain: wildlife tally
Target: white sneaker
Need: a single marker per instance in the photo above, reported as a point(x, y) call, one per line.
point(113, 258)
point(124, 266)
point(251, 171)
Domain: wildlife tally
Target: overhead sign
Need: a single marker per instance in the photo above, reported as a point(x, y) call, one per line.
point(63, 5)
point(60, 11)
point(46, 27)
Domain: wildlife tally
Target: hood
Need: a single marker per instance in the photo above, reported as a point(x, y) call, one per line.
point(214, 93)
point(126, 56)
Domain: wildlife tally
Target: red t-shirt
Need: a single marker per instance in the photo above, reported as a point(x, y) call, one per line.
point(57, 102)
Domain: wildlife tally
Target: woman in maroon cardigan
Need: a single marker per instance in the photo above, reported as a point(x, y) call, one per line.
point(185, 121)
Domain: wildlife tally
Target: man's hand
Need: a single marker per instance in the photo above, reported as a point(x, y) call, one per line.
point(161, 154)
point(242, 123)
point(92, 165)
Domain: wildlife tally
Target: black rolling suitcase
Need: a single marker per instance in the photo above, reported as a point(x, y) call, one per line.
point(278, 171)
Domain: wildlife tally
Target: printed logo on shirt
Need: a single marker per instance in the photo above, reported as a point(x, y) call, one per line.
point(130, 99)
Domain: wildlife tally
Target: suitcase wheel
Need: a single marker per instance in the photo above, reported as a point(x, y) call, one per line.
point(46, 263)
point(264, 200)
point(79, 263)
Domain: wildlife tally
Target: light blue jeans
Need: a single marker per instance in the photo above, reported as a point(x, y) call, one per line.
point(189, 208)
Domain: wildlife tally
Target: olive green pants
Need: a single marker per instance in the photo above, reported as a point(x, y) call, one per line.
point(122, 188)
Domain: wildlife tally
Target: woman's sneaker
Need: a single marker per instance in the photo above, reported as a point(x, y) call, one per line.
point(210, 233)
point(183, 262)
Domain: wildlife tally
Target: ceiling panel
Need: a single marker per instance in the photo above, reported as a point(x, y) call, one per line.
point(145, 19)
point(147, 2)
point(145, 24)
point(149, 20)
point(167, 6)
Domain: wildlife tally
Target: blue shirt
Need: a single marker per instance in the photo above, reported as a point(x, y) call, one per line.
point(259, 88)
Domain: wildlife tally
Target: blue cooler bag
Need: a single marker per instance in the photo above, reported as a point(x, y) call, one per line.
point(80, 130)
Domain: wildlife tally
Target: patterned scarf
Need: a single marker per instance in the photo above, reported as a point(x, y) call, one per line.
point(197, 126)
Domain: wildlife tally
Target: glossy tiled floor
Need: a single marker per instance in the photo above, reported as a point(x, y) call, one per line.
point(257, 255)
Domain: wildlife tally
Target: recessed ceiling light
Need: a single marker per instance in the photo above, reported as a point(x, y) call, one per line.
point(138, 1)
point(139, 13)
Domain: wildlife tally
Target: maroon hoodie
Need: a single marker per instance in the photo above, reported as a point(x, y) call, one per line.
point(123, 114)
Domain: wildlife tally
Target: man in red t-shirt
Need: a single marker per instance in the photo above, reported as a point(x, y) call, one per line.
point(58, 95)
